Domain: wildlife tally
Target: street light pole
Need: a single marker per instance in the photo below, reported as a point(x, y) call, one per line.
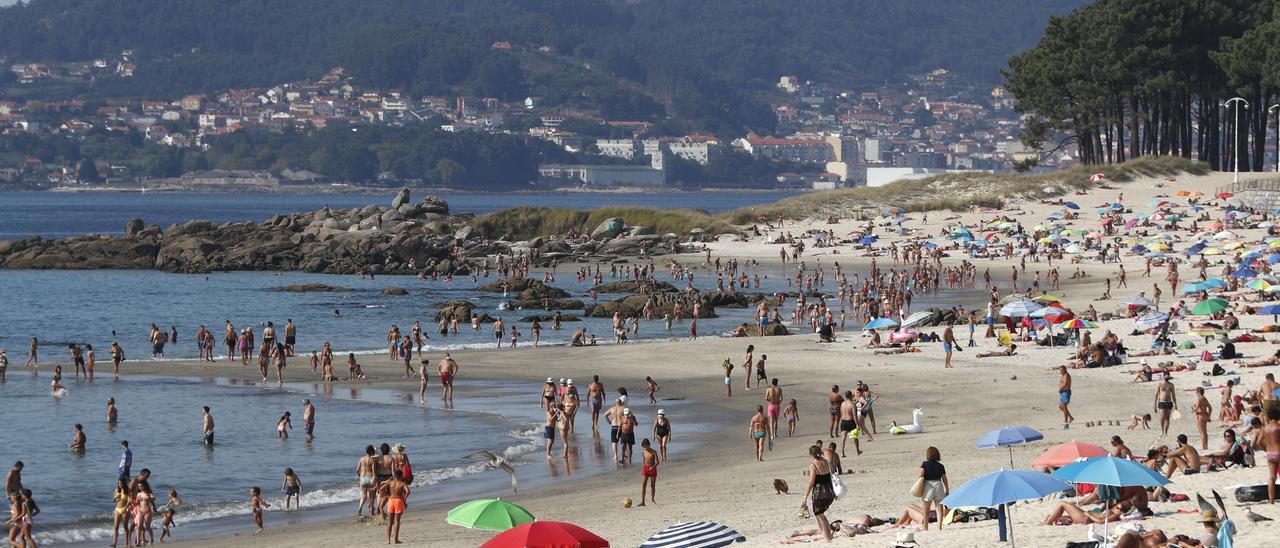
point(1235, 135)
point(1269, 109)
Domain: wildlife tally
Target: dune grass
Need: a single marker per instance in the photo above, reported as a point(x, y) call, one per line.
point(522, 223)
point(959, 191)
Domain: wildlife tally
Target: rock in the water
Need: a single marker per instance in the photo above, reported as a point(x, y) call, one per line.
point(549, 318)
point(395, 291)
point(434, 205)
point(401, 198)
point(305, 288)
point(610, 228)
point(133, 227)
point(456, 310)
point(632, 286)
point(775, 328)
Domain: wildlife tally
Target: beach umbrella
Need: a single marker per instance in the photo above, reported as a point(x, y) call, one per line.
point(867, 240)
point(1047, 299)
point(1009, 436)
point(1215, 282)
point(1138, 301)
point(1002, 487)
point(1072, 249)
point(1110, 471)
point(492, 514)
point(1210, 306)
point(1067, 453)
point(929, 245)
point(1259, 284)
point(1019, 309)
point(1077, 323)
point(916, 318)
point(1273, 258)
point(1053, 313)
point(1149, 319)
point(1182, 193)
point(961, 231)
point(1244, 273)
point(701, 534)
point(1273, 309)
point(546, 534)
point(1223, 195)
point(1194, 288)
point(881, 323)
point(1073, 205)
point(1212, 251)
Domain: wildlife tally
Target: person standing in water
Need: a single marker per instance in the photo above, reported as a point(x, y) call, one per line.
point(309, 419)
point(207, 426)
point(33, 353)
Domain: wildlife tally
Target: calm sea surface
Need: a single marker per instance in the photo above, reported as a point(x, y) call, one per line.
point(62, 214)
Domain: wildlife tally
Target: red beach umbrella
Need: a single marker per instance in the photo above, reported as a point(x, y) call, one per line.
point(1224, 195)
point(546, 534)
point(1067, 453)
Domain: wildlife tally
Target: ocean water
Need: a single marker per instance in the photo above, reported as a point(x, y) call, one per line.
point(161, 419)
point(60, 307)
point(62, 214)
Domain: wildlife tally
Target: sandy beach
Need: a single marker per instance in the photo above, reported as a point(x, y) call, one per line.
point(719, 480)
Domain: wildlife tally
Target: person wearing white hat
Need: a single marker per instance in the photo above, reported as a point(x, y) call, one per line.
point(548, 394)
point(627, 434)
point(662, 432)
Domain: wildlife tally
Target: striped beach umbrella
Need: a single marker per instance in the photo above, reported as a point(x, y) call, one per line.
point(1020, 309)
point(1077, 323)
point(1149, 319)
point(700, 534)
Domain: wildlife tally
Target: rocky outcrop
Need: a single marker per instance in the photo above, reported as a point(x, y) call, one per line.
point(631, 286)
point(459, 310)
point(310, 288)
point(394, 291)
point(663, 303)
point(545, 318)
point(405, 238)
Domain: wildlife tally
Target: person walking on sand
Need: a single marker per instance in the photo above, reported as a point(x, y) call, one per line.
point(1064, 396)
point(748, 363)
point(848, 424)
point(834, 400)
point(1166, 401)
point(773, 399)
point(1203, 411)
point(949, 344)
point(819, 490)
point(662, 432)
point(648, 472)
point(396, 493)
point(448, 369)
point(936, 485)
point(758, 429)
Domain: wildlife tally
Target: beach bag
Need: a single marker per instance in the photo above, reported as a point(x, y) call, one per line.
point(838, 487)
point(406, 473)
point(917, 489)
point(1206, 356)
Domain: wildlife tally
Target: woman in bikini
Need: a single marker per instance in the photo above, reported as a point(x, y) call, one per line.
point(120, 517)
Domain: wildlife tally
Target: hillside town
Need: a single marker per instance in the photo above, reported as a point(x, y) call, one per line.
point(831, 136)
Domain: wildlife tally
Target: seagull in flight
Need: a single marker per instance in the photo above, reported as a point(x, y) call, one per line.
point(497, 463)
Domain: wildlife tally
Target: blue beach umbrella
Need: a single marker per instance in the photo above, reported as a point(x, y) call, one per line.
point(1110, 471)
point(1214, 282)
point(1273, 258)
point(1244, 273)
point(881, 323)
point(1002, 487)
point(1009, 436)
point(1073, 205)
point(1194, 288)
point(867, 240)
point(1273, 309)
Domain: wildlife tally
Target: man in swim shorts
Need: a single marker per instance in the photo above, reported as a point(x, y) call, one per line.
point(595, 393)
point(1165, 402)
point(648, 472)
point(627, 435)
point(1064, 396)
point(208, 427)
point(848, 424)
point(773, 398)
point(309, 418)
point(834, 399)
point(448, 369)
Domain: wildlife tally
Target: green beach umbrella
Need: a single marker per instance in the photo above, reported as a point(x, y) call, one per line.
point(1210, 306)
point(491, 514)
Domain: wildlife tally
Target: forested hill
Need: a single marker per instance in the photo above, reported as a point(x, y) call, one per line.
point(694, 59)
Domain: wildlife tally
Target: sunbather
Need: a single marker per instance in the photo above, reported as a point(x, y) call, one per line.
point(1013, 348)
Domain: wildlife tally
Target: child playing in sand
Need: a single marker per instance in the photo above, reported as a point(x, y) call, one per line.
point(652, 387)
point(258, 504)
point(792, 415)
point(283, 426)
point(1144, 420)
point(292, 488)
